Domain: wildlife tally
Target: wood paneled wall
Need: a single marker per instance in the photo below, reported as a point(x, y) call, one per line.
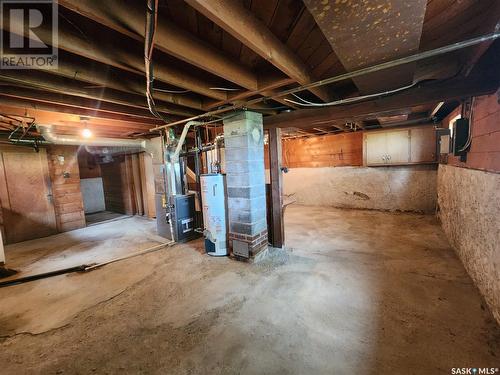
point(129, 185)
point(88, 166)
point(344, 149)
point(333, 150)
point(484, 152)
point(66, 192)
point(116, 182)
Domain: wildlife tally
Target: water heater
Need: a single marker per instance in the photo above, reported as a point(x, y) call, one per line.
point(213, 197)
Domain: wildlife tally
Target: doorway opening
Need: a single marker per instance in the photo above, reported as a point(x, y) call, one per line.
point(115, 185)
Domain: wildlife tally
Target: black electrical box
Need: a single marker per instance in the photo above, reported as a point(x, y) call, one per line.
point(460, 137)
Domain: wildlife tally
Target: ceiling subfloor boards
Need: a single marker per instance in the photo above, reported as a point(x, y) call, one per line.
point(368, 33)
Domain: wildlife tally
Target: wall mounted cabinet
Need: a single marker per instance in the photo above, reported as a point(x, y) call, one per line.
point(400, 146)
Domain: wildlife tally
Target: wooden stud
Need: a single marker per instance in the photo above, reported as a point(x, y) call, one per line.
point(275, 156)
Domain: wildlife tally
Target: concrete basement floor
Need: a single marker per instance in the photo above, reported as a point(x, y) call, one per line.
point(361, 292)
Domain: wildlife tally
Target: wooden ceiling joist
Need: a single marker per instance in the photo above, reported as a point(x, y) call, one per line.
point(128, 17)
point(42, 80)
point(243, 25)
point(73, 122)
point(427, 94)
point(21, 106)
point(76, 68)
point(267, 87)
point(131, 59)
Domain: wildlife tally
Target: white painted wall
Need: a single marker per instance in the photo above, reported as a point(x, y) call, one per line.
point(93, 195)
point(405, 188)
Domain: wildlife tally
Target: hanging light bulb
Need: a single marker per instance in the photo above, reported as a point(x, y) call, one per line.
point(86, 133)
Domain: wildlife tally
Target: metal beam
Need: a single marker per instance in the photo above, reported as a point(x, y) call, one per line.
point(233, 17)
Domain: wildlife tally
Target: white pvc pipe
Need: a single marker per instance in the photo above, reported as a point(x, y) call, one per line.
point(49, 136)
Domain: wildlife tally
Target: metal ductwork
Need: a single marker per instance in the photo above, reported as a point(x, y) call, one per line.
point(69, 140)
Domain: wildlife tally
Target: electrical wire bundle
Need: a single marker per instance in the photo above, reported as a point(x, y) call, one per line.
point(151, 24)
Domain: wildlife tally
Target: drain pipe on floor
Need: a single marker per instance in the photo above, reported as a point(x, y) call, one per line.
point(82, 267)
point(148, 250)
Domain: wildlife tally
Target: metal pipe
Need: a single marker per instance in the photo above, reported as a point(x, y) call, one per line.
point(143, 252)
point(218, 155)
point(180, 143)
point(49, 136)
point(82, 267)
point(197, 169)
point(356, 73)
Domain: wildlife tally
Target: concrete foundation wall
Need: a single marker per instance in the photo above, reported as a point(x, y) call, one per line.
point(407, 188)
point(469, 210)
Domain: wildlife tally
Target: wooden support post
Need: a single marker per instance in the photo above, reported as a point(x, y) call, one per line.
point(2, 253)
point(275, 155)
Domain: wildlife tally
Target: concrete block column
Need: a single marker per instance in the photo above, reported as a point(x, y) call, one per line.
point(245, 177)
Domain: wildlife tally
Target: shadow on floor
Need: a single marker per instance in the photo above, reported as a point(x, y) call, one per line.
point(103, 216)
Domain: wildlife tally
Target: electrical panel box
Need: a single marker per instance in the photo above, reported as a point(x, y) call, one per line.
point(460, 136)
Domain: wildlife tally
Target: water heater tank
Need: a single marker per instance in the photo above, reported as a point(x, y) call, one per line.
point(213, 196)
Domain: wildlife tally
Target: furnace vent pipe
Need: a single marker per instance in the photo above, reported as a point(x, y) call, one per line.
point(180, 143)
point(69, 140)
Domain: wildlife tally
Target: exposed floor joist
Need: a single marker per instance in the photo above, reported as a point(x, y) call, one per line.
point(426, 94)
point(40, 80)
point(66, 123)
point(242, 24)
point(128, 18)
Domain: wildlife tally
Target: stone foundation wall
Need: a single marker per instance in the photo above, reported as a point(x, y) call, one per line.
point(469, 210)
point(406, 188)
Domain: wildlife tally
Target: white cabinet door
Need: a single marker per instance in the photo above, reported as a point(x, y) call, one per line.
point(398, 147)
point(402, 146)
point(376, 148)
